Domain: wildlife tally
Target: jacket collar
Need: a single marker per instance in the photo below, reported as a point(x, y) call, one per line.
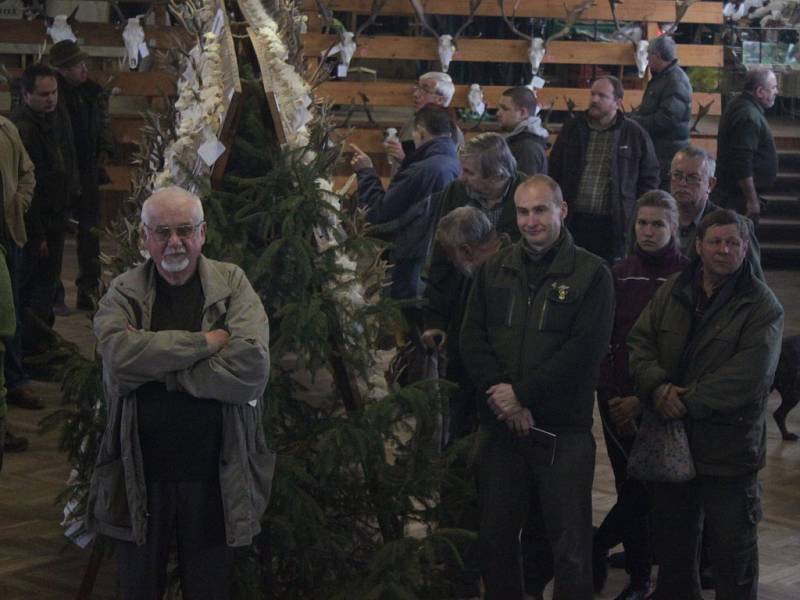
point(433, 147)
point(563, 263)
point(753, 100)
point(738, 287)
point(141, 283)
point(615, 125)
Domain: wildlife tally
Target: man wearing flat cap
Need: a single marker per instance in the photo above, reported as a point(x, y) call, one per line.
point(86, 103)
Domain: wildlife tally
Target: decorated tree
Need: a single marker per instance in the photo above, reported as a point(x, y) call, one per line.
point(355, 498)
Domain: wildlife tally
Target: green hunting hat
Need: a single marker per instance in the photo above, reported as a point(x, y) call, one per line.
point(66, 53)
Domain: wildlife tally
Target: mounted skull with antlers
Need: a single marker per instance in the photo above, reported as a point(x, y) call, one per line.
point(133, 35)
point(447, 43)
point(538, 48)
point(59, 28)
point(348, 41)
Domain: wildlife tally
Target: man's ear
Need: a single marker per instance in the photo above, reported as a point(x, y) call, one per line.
point(712, 183)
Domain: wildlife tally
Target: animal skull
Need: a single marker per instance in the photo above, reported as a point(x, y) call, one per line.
point(347, 48)
point(475, 98)
point(446, 50)
point(536, 52)
point(640, 55)
point(60, 30)
point(133, 36)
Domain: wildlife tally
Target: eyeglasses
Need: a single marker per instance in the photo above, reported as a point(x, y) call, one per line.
point(691, 178)
point(164, 234)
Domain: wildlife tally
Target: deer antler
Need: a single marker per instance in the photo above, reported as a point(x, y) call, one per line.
point(510, 20)
point(702, 111)
point(473, 6)
point(377, 7)
point(572, 17)
point(327, 15)
point(421, 18)
point(71, 18)
point(681, 6)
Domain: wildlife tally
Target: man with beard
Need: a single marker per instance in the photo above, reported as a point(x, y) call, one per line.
point(692, 181)
point(747, 162)
point(603, 161)
point(185, 351)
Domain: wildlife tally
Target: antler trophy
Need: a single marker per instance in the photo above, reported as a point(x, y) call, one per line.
point(447, 43)
point(538, 48)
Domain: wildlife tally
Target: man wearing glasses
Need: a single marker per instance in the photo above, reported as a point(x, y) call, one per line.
point(692, 180)
point(184, 343)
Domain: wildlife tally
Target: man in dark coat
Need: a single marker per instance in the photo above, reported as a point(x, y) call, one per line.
point(705, 350)
point(666, 105)
point(48, 139)
point(402, 209)
point(746, 159)
point(525, 136)
point(537, 326)
point(86, 104)
point(603, 162)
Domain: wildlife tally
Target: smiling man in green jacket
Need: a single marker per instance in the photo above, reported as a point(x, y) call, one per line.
point(537, 326)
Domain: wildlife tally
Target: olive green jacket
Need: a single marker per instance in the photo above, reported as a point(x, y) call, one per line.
point(728, 365)
point(547, 344)
point(236, 376)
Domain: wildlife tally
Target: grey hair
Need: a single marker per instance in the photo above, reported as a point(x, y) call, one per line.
point(172, 192)
point(664, 46)
point(444, 85)
point(690, 151)
point(756, 78)
point(495, 157)
point(464, 225)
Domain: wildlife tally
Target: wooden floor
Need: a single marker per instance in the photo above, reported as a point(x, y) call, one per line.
point(37, 562)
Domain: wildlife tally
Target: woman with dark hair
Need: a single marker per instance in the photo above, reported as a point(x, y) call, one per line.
point(653, 257)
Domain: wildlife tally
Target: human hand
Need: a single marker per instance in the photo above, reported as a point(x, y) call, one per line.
point(520, 422)
point(217, 340)
point(360, 160)
point(503, 401)
point(667, 401)
point(394, 150)
point(434, 338)
point(623, 410)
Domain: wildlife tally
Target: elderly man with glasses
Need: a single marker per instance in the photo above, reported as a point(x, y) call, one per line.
point(692, 181)
point(184, 343)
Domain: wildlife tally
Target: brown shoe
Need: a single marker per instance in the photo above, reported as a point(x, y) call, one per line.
point(24, 397)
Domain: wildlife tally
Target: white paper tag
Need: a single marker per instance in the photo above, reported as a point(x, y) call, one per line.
point(211, 150)
point(538, 82)
point(341, 71)
point(144, 51)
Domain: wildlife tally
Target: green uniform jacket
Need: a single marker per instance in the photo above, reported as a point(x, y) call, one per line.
point(548, 345)
point(728, 365)
point(236, 376)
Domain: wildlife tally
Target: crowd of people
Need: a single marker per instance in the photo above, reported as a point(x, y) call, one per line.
point(623, 266)
point(52, 156)
point(602, 270)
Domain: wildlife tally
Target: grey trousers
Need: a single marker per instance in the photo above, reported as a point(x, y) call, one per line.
point(519, 490)
point(728, 509)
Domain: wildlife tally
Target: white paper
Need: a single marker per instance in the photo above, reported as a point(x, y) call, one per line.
point(211, 150)
point(144, 51)
point(341, 70)
point(538, 82)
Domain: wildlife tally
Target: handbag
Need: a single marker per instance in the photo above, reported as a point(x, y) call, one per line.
point(661, 450)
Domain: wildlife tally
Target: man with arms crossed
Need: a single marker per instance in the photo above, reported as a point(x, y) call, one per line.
point(184, 343)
